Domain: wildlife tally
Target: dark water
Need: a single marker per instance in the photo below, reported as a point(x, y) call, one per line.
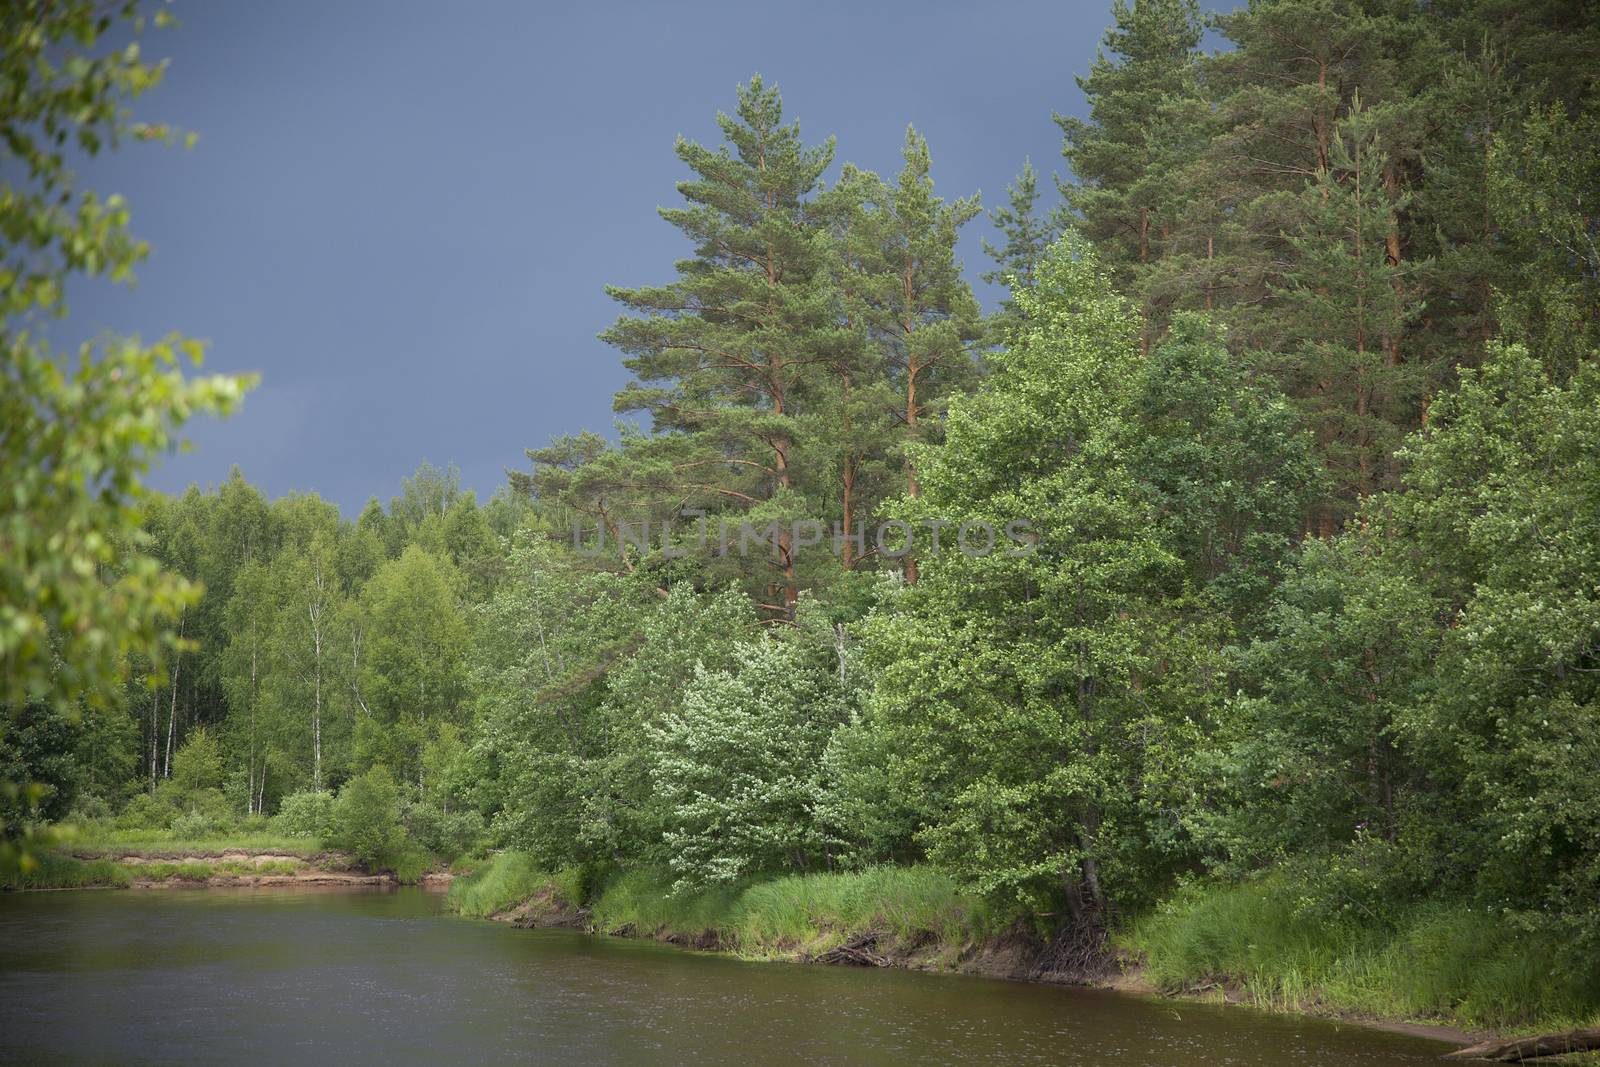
point(281, 977)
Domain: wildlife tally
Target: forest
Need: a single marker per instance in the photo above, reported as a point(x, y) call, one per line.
point(1289, 429)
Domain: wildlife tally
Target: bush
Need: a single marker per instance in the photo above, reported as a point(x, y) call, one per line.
point(197, 765)
point(147, 812)
point(366, 819)
point(410, 864)
point(449, 834)
point(193, 825)
point(89, 808)
point(213, 805)
point(307, 814)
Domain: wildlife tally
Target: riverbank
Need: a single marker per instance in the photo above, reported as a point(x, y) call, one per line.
point(163, 861)
point(1233, 945)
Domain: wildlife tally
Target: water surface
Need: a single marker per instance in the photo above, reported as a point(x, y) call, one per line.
point(208, 976)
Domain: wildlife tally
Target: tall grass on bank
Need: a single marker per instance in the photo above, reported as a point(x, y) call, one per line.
point(901, 908)
point(905, 908)
point(507, 880)
point(54, 870)
point(1440, 960)
point(99, 840)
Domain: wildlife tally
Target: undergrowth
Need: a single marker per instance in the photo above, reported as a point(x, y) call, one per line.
point(1437, 960)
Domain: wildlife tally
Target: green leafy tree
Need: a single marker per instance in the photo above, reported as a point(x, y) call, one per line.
point(413, 664)
point(738, 766)
point(1022, 690)
point(542, 645)
point(307, 681)
point(684, 634)
point(366, 819)
point(1226, 462)
point(198, 764)
point(79, 591)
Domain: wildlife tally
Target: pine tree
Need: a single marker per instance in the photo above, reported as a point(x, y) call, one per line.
point(1344, 301)
point(1027, 233)
point(1120, 197)
point(722, 356)
point(908, 293)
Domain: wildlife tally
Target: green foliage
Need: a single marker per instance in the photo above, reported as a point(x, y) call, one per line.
point(54, 870)
point(79, 591)
point(1425, 960)
point(307, 814)
point(448, 834)
point(147, 812)
point(1288, 453)
point(194, 824)
point(1021, 690)
point(366, 820)
point(1426, 679)
point(198, 764)
point(509, 879)
point(737, 765)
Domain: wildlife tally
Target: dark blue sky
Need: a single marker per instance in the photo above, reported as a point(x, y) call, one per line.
point(402, 214)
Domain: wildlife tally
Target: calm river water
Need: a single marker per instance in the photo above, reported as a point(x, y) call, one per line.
point(315, 977)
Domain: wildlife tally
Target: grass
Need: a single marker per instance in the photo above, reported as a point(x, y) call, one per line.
point(54, 870)
point(59, 870)
point(505, 881)
point(909, 906)
point(905, 908)
point(1435, 961)
point(99, 841)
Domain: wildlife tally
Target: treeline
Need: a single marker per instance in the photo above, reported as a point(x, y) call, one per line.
point(320, 648)
point(1293, 409)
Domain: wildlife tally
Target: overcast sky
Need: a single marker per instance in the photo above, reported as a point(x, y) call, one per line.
point(402, 214)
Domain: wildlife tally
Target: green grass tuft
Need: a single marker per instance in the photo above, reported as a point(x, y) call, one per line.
point(507, 880)
point(1433, 961)
point(904, 908)
point(55, 870)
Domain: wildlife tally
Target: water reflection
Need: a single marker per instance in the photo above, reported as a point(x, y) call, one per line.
point(203, 976)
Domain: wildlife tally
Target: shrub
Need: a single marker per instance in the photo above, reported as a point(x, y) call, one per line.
point(410, 864)
point(213, 805)
point(89, 808)
point(147, 812)
point(366, 819)
point(192, 825)
point(450, 834)
point(306, 814)
point(198, 764)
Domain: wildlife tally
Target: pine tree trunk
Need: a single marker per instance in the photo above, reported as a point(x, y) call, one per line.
point(1391, 182)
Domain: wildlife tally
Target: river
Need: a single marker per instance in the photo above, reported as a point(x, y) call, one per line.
point(206, 976)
